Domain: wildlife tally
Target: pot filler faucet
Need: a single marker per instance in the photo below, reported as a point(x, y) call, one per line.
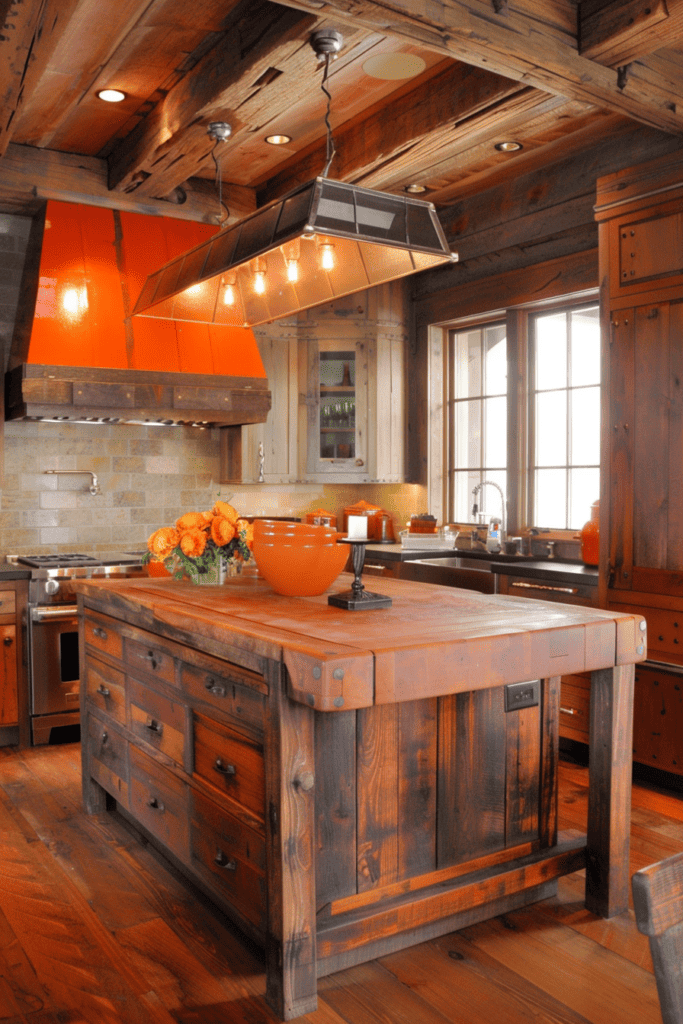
point(475, 507)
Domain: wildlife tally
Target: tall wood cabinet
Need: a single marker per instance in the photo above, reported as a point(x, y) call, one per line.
point(640, 214)
point(336, 376)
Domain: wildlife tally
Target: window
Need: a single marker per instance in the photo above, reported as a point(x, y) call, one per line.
point(526, 417)
point(565, 413)
point(478, 420)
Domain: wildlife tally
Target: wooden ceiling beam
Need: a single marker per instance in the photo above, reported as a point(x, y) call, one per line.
point(524, 45)
point(22, 54)
point(28, 174)
point(617, 32)
point(370, 150)
point(172, 144)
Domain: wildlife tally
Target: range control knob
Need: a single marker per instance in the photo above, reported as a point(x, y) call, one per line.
point(51, 586)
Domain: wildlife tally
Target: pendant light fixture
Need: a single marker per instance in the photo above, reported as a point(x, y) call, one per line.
point(321, 241)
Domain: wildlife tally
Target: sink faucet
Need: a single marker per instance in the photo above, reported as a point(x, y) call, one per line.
point(475, 507)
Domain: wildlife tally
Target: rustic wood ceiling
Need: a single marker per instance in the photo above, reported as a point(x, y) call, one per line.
point(553, 75)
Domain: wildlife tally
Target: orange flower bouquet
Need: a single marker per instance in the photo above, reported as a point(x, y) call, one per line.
point(205, 546)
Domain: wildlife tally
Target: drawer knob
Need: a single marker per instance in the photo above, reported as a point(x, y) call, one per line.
point(8, 640)
point(154, 726)
point(223, 861)
point(155, 804)
point(105, 737)
point(215, 688)
point(224, 769)
point(99, 632)
point(103, 691)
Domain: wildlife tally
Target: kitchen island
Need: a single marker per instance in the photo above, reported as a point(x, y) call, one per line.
point(344, 784)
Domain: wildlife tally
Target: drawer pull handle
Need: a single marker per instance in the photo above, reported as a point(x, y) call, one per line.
point(99, 632)
point(105, 737)
point(103, 690)
point(150, 657)
point(570, 711)
point(154, 726)
point(544, 586)
point(215, 688)
point(224, 769)
point(223, 861)
point(155, 804)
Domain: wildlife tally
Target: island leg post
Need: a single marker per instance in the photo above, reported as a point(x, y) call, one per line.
point(609, 790)
point(291, 978)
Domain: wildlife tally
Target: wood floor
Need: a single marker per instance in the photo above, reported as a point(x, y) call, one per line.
point(94, 927)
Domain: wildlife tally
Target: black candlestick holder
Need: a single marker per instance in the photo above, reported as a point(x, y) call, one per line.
point(358, 597)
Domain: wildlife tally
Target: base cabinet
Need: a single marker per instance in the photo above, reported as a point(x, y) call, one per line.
point(14, 721)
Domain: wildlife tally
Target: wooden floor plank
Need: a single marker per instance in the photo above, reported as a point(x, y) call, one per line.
point(587, 978)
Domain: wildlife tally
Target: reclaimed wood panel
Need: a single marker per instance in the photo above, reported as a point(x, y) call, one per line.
point(621, 430)
point(522, 757)
point(471, 812)
point(377, 796)
point(674, 547)
point(651, 436)
point(335, 738)
point(417, 787)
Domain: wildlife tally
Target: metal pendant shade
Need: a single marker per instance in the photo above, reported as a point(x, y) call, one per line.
point(323, 240)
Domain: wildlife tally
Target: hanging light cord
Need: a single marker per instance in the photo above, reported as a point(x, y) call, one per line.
point(219, 180)
point(330, 141)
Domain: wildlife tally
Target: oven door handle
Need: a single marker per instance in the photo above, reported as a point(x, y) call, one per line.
point(64, 611)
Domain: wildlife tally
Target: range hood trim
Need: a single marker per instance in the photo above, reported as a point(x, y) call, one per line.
point(38, 392)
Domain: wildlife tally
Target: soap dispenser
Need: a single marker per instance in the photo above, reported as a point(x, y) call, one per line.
point(493, 536)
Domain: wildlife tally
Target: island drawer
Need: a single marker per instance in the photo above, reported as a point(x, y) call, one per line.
point(575, 707)
point(230, 762)
point(227, 689)
point(157, 720)
point(148, 658)
point(160, 803)
point(103, 634)
point(230, 856)
point(107, 757)
point(106, 688)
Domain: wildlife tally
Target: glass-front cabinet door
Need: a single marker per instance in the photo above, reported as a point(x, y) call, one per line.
point(337, 409)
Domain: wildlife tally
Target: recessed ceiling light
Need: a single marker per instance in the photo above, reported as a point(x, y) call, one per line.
point(392, 67)
point(111, 95)
point(508, 147)
point(278, 140)
point(415, 189)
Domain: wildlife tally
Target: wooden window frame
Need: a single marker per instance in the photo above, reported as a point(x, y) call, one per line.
point(517, 320)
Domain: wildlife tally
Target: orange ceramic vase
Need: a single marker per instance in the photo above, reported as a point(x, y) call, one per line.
point(590, 537)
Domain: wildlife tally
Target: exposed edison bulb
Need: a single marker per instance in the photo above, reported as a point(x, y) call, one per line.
point(260, 282)
point(292, 270)
point(75, 301)
point(327, 256)
point(229, 295)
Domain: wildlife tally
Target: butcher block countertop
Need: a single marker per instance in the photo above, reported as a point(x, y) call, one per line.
point(432, 641)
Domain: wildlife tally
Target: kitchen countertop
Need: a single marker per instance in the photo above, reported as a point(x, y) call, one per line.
point(397, 553)
point(550, 570)
point(14, 572)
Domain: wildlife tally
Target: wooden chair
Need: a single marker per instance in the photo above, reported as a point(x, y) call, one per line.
point(658, 904)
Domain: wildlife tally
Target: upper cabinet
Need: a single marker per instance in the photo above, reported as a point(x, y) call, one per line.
point(336, 376)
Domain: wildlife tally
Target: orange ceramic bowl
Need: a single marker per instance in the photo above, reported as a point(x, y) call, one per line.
point(298, 563)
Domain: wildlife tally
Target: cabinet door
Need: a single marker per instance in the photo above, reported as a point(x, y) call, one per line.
point(337, 403)
point(9, 710)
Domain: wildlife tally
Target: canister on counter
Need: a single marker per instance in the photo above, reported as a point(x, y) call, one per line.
point(321, 518)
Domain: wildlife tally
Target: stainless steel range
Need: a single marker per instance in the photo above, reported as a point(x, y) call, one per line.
point(54, 673)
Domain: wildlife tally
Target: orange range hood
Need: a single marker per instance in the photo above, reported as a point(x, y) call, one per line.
point(77, 355)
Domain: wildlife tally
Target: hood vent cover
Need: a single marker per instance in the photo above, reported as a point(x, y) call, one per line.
point(78, 356)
